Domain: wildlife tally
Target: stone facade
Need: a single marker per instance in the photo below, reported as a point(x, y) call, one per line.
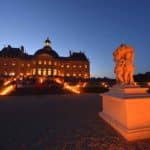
point(45, 62)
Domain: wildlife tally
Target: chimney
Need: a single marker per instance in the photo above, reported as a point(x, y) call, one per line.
point(70, 53)
point(22, 49)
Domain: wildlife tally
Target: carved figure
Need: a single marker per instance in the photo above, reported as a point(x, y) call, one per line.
point(119, 71)
point(124, 60)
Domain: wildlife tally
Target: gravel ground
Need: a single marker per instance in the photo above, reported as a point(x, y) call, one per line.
point(58, 122)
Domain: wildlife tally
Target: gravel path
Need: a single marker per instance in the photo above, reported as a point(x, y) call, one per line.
point(58, 122)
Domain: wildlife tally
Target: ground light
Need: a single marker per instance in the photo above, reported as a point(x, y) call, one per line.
point(74, 89)
point(7, 90)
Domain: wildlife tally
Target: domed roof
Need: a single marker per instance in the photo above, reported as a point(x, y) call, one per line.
point(46, 50)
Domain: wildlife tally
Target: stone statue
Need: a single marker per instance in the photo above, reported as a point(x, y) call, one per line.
point(124, 60)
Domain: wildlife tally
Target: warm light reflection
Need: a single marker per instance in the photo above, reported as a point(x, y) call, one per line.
point(7, 90)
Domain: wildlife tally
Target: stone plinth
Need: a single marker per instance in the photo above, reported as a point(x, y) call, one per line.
point(127, 110)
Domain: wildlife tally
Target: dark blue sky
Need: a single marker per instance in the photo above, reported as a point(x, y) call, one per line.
point(96, 27)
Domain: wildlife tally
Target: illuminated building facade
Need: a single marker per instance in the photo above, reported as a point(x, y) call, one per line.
point(45, 62)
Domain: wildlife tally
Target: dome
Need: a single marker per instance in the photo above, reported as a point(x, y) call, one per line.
point(46, 50)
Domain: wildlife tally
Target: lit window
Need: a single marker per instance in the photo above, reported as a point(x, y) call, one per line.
point(34, 71)
point(58, 73)
point(28, 65)
point(5, 64)
point(86, 66)
point(85, 75)
point(13, 64)
point(55, 72)
point(49, 72)
point(74, 66)
point(80, 66)
point(62, 66)
point(12, 74)
point(74, 74)
point(28, 73)
point(55, 63)
point(22, 65)
point(79, 74)
point(5, 73)
point(44, 72)
point(68, 66)
point(49, 62)
point(68, 75)
point(62, 74)
point(39, 71)
point(39, 62)
point(44, 62)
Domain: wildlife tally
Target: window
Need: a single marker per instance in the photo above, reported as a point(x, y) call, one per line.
point(62, 66)
point(28, 73)
point(5, 73)
point(79, 74)
point(55, 63)
point(39, 71)
point(44, 72)
point(67, 66)
point(28, 65)
point(45, 62)
point(34, 71)
point(12, 73)
point(68, 75)
point(49, 62)
point(49, 72)
point(13, 64)
point(39, 62)
point(86, 66)
point(55, 72)
point(80, 66)
point(74, 74)
point(74, 66)
point(85, 75)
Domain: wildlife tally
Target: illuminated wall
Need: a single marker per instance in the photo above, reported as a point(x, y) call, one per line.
point(45, 62)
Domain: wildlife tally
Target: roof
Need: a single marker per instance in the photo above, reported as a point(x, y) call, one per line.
point(14, 53)
point(47, 50)
point(19, 53)
point(78, 56)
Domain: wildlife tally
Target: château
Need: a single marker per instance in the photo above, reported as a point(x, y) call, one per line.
point(45, 62)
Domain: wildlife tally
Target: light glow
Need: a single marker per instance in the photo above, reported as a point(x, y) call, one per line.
point(7, 90)
point(7, 82)
point(74, 89)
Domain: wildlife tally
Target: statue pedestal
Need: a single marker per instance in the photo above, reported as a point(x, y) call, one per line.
point(127, 110)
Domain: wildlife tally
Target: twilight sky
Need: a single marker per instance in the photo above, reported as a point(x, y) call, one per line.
point(95, 27)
